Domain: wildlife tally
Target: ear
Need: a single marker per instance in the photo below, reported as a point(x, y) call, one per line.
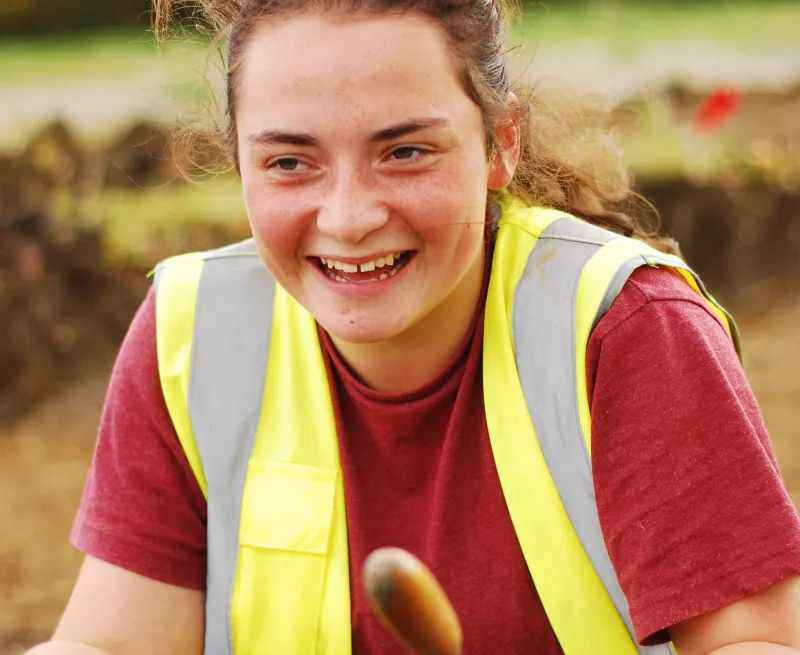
point(506, 135)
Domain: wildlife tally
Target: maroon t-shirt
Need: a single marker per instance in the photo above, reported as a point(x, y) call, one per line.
point(690, 497)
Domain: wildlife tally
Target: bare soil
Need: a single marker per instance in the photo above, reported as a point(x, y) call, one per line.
point(43, 463)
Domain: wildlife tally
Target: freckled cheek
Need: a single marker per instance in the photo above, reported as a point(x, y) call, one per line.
point(279, 231)
point(450, 220)
point(442, 210)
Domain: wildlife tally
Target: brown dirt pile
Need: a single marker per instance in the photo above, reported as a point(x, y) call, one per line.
point(744, 241)
point(61, 303)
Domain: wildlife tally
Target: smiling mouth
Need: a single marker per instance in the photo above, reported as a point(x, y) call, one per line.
point(376, 270)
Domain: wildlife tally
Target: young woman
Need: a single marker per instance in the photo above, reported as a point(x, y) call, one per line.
point(422, 347)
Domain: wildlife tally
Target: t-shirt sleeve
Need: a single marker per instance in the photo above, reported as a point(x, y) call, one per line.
point(142, 508)
point(690, 497)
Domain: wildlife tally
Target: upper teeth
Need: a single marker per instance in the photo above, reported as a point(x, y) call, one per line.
point(366, 267)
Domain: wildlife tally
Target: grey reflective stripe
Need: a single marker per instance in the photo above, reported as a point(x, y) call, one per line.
point(232, 328)
point(617, 282)
point(655, 259)
point(544, 340)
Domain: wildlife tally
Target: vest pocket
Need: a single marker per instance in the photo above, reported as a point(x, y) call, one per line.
point(284, 531)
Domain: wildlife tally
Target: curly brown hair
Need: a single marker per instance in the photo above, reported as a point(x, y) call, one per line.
point(594, 187)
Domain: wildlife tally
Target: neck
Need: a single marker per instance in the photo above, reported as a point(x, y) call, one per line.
point(414, 357)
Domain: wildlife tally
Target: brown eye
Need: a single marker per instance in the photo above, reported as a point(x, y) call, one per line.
point(406, 152)
point(288, 165)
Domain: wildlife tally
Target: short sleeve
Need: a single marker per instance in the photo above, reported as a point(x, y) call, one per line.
point(690, 497)
point(142, 508)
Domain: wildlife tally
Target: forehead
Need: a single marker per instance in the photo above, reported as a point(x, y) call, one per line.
point(308, 68)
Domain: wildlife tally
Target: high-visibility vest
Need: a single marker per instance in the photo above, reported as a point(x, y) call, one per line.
point(245, 384)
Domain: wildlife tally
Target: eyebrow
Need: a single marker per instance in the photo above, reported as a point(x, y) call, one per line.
point(269, 137)
point(409, 127)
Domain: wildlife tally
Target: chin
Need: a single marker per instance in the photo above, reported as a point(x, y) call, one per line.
point(359, 331)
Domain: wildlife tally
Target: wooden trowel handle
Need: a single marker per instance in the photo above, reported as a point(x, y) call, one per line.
point(410, 602)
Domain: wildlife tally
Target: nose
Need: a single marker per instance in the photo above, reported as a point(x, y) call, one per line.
point(351, 210)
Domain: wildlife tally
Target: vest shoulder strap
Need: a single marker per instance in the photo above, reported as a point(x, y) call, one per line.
point(213, 324)
point(570, 279)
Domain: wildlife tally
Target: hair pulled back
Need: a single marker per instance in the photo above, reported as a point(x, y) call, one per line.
point(595, 188)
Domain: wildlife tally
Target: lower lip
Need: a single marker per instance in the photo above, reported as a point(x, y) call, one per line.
point(361, 288)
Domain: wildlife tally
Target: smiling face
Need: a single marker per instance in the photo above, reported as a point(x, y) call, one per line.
point(365, 173)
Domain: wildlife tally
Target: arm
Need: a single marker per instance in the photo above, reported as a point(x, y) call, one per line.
point(141, 523)
point(767, 623)
point(755, 648)
point(118, 612)
point(60, 648)
point(64, 648)
point(702, 534)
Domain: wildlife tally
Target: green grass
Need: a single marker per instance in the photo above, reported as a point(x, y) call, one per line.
point(104, 55)
point(655, 147)
point(143, 224)
point(168, 214)
point(623, 26)
point(753, 24)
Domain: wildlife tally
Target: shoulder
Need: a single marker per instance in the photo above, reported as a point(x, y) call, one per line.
point(142, 508)
point(180, 280)
point(660, 294)
point(136, 361)
point(658, 326)
point(135, 378)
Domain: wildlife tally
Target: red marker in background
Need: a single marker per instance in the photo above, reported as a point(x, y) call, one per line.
point(718, 108)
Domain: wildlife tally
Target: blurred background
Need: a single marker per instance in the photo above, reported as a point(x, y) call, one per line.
point(706, 99)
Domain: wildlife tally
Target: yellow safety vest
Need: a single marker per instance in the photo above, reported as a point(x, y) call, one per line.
point(245, 385)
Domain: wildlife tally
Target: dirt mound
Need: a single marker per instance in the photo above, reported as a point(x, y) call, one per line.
point(60, 302)
point(63, 303)
point(743, 240)
point(140, 157)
